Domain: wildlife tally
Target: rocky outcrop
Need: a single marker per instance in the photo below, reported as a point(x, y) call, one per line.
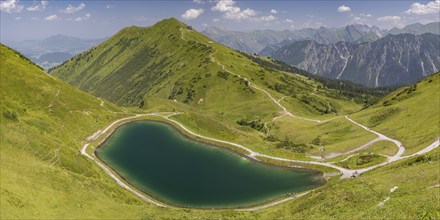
point(392, 60)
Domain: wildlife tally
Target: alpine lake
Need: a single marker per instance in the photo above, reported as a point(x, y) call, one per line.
point(166, 165)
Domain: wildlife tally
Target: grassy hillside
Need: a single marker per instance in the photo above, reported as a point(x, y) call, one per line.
point(170, 61)
point(43, 175)
point(145, 66)
point(43, 122)
point(209, 84)
point(417, 195)
point(410, 114)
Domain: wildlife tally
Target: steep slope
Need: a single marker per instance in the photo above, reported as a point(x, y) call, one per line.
point(169, 61)
point(392, 60)
point(215, 88)
point(140, 61)
point(42, 123)
point(410, 114)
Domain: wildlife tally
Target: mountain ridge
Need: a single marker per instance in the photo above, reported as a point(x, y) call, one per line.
point(175, 76)
point(256, 41)
point(417, 29)
point(385, 62)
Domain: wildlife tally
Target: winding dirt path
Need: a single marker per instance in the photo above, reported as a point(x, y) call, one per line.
point(107, 170)
point(333, 155)
point(382, 137)
point(288, 113)
point(274, 203)
point(345, 172)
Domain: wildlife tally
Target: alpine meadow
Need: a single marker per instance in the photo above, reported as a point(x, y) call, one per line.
point(220, 110)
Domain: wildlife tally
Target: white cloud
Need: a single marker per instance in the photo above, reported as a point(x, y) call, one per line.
point(72, 9)
point(359, 20)
point(83, 18)
point(232, 12)
point(268, 18)
point(423, 9)
point(52, 18)
point(192, 13)
point(288, 20)
point(17, 18)
point(11, 6)
point(390, 19)
point(109, 6)
point(273, 11)
point(38, 7)
point(199, 1)
point(216, 20)
point(365, 15)
point(344, 8)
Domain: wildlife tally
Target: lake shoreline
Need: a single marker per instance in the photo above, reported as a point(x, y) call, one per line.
point(218, 146)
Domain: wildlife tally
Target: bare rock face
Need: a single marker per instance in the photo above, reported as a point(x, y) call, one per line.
point(392, 60)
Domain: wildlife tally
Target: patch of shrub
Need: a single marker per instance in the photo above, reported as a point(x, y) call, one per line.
point(305, 99)
point(271, 138)
point(141, 104)
point(290, 146)
point(317, 141)
point(364, 159)
point(418, 159)
point(223, 74)
point(255, 124)
point(10, 115)
point(379, 118)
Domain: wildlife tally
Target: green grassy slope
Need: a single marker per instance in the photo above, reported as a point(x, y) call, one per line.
point(417, 195)
point(335, 135)
point(169, 61)
point(42, 124)
point(43, 175)
point(147, 66)
point(410, 114)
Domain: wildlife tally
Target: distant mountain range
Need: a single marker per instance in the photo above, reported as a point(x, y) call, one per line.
point(49, 60)
point(171, 61)
point(392, 60)
point(250, 42)
point(256, 41)
point(283, 45)
point(417, 28)
point(359, 53)
point(53, 50)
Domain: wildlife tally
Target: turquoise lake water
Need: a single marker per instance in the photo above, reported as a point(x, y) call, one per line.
point(163, 163)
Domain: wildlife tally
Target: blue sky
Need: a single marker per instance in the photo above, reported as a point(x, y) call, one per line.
point(22, 20)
